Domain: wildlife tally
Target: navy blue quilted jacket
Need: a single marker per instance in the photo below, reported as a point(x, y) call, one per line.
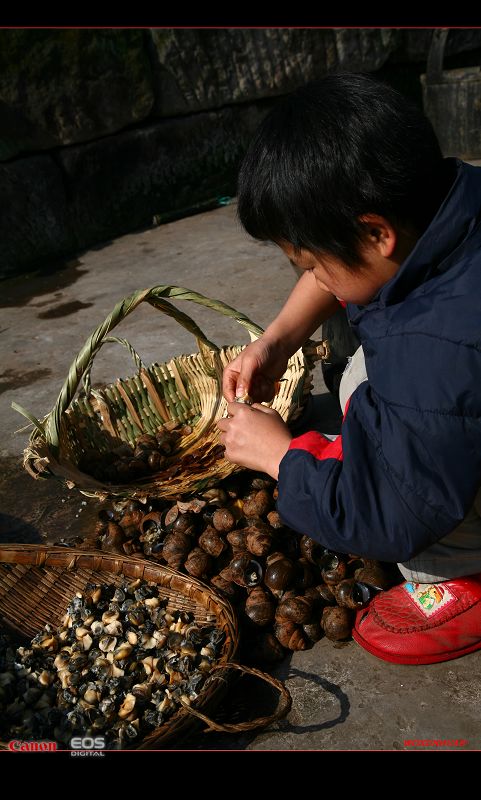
point(406, 468)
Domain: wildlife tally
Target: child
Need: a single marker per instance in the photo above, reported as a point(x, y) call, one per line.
point(348, 180)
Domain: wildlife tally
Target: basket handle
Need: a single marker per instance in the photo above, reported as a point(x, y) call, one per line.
point(283, 707)
point(114, 339)
point(49, 428)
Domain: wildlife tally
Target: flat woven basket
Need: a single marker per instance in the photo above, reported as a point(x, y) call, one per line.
point(38, 582)
point(187, 389)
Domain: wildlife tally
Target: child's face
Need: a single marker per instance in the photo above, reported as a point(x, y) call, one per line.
point(354, 286)
point(385, 248)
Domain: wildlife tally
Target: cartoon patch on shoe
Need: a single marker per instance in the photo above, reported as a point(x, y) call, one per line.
point(429, 598)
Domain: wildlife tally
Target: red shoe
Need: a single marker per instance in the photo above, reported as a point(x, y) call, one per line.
point(422, 623)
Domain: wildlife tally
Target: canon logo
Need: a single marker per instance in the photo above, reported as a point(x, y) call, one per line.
point(18, 746)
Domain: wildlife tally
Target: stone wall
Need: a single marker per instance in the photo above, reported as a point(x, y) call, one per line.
point(102, 130)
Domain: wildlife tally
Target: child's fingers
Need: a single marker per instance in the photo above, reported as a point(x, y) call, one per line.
point(229, 384)
point(265, 409)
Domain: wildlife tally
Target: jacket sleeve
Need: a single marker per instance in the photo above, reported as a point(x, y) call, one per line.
point(393, 482)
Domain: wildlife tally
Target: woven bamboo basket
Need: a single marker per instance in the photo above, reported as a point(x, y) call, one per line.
point(187, 389)
point(38, 582)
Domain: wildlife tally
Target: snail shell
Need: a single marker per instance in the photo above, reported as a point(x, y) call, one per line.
point(310, 549)
point(132, 519)
point(113, 539)
point(290, 635)
point(211, 541)
point(199, 563)
point(374, 575)
point(259, 607)
point(245, 571)
point(259, 540)
point(223, 520)
point(156, 461)
point(280, 573)
point(237, 540)
point(146, 441)
point(185, 523)
point(351, 593)
point(326, 594)
point(333, 568)
point(257, 505)
point(337, 623)
point(274, 520)
point(296, 609)
point(228, 588)
point(313, 631)
point(176, 548)
point(150, 521)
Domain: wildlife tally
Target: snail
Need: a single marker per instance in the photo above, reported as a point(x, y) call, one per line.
point(258, 540)
point(170, 516)
point(113, 539)
point(237, 540)
point(151, 521)
point(296, 609)
point(259, 607)
point(258, 504)
point(195, 505)
point(313, 631)
point(280, 573)
point(333, 568)
point(310, 549)
point(165, 441)
point(274, 520)
point(132, 519)
point(244, 398)
point(211, 541)
point(199, 563)
point(351, 593)
point(290, 635)
point(176, 548)
point(337, 623)
point(156, 461)
point(261, 482)
point(216, 497)
point(245, 571)
point(223, 520)
point(230, 589)
point(373, 575)
point(325, 593)
point(232, 533)
point(184, 523)
point(123, 686)
point(146, 442)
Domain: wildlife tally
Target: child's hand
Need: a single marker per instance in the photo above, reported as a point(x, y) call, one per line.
point(255, 371)
point(255, 437)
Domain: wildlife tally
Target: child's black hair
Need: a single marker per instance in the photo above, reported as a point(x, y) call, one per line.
point(332, 151)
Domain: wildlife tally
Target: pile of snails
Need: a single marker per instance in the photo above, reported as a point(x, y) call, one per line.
point(120, 664)
point(287, 589)
point(149, 456)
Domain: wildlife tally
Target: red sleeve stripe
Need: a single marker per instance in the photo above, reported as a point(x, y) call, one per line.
point(342, 302)
point(318, 446)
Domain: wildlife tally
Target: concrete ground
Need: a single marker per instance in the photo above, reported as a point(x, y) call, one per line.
point(343, 698)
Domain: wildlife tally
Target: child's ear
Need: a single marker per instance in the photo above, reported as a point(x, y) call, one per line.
point(379, 233)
